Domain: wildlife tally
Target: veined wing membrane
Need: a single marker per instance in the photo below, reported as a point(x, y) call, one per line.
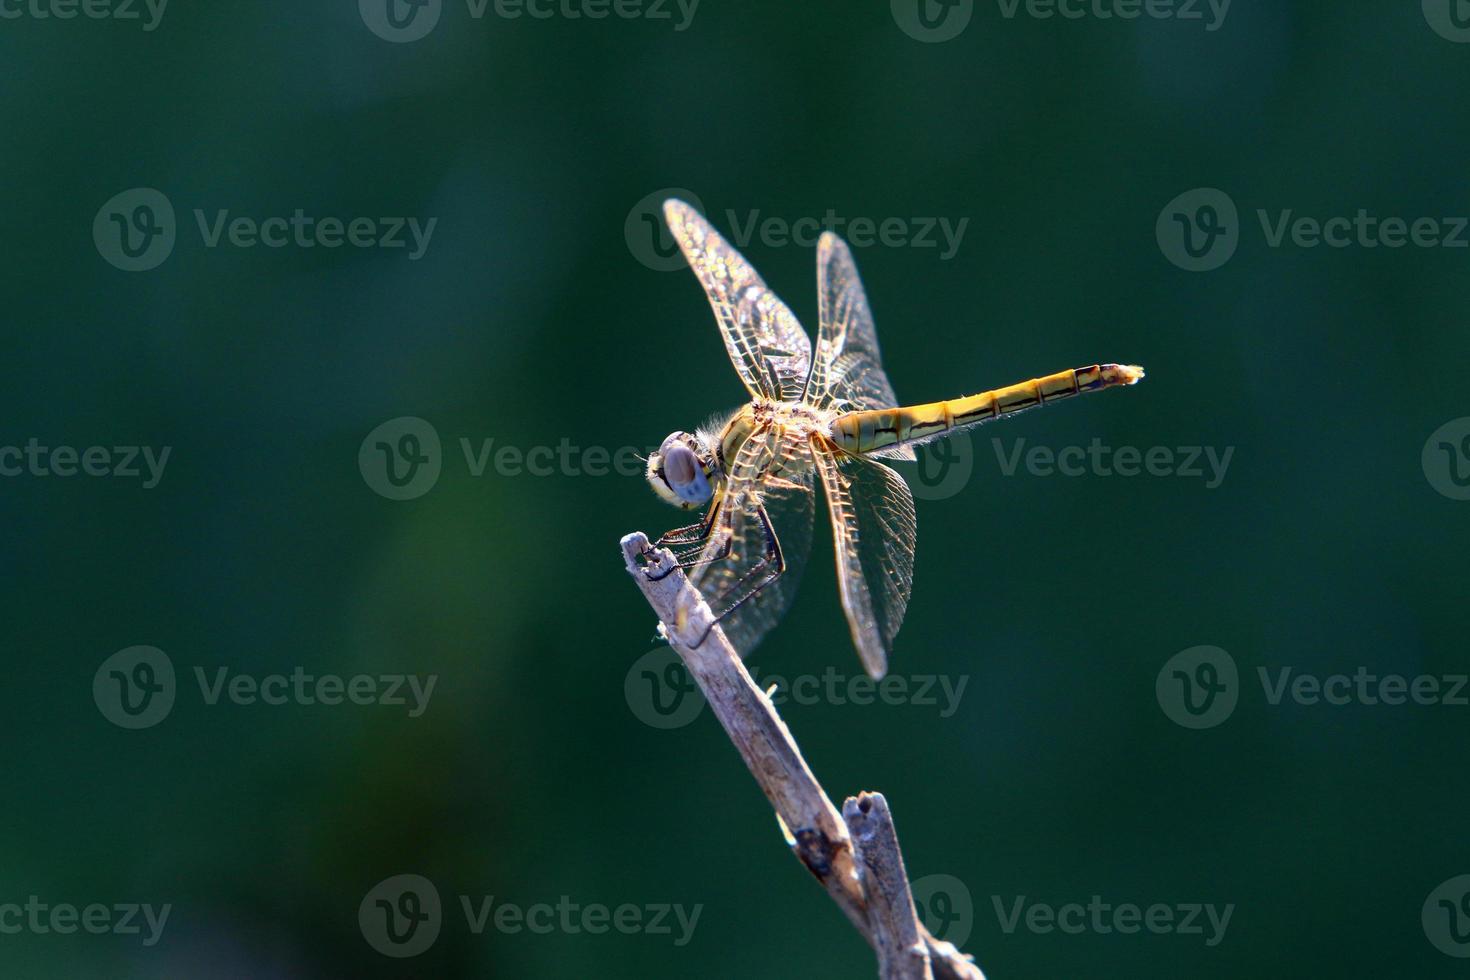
point(847, 374)
point(873, 529)
point(768, 493)
point(770, 350)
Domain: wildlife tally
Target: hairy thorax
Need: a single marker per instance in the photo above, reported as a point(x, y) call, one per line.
point(798, 420)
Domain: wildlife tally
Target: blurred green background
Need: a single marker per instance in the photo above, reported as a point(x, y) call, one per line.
point(1333, 542)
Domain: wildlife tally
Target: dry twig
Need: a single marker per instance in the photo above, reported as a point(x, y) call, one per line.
point(857, 859)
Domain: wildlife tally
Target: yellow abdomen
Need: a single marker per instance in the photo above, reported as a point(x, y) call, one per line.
point(867, 431)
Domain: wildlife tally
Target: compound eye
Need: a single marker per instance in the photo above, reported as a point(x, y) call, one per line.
point(680, 466)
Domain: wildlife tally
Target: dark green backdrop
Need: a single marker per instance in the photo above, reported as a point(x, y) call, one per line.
point(1332, 544)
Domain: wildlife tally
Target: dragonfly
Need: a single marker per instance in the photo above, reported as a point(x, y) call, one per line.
point(824, 417)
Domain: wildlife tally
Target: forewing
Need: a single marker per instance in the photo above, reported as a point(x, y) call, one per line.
point(848, 371)
point(773, 471)
point(770, 350)
point(873, 528)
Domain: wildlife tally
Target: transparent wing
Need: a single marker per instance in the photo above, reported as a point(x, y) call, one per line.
point(770, 350)
point(768, 493)
point(847, 374)
point(873, 528)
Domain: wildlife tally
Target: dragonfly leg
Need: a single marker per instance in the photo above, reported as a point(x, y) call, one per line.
point(691, 533)
point(692, 558)
point(762, 573)
point(681, 535)
point(689, 558)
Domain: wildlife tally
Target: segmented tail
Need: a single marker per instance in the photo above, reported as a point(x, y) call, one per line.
point(882, 429)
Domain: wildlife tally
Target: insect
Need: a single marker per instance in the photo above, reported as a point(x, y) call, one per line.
point(827, 417)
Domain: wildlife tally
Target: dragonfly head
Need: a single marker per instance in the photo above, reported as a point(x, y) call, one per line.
point(682, 471)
